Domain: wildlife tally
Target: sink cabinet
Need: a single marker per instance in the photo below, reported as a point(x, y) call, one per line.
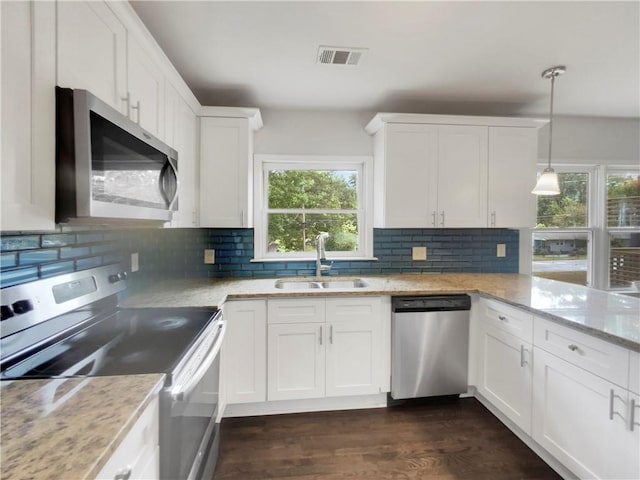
point(329, 347)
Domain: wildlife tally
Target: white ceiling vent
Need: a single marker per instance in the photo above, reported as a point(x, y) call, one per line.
point(340, 55)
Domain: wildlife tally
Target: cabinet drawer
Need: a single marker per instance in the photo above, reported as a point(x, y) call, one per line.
point(512, 320)
point(295, 310)
point(597, 356)
point(349, 309)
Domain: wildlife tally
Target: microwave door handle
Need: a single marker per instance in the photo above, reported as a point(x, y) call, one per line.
point(179, 392)
point(168, 184)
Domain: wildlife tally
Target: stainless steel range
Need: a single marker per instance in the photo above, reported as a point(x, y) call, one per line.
point(71, 326)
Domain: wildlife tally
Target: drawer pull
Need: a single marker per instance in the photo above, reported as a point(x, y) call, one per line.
point(573, 348)
point(612, 412)
point(123, 474)
point(522, 360)
point(502, 317)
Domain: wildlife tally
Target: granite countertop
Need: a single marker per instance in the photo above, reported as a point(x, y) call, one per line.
point(610, 316)
point(68, 428)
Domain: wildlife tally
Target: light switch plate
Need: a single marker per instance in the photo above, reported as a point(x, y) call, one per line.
point(209, 256)
point(501, 250)
point(419, 253)
point(135, 265)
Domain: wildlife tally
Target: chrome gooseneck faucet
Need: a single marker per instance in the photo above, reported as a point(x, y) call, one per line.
point(320, 254)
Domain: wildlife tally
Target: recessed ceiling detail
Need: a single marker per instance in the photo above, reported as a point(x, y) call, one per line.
point(340, 55)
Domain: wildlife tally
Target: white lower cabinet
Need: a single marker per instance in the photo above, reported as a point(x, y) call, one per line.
point(328, 347)
point(245, 351)
point(506, 374)
point(583, 420)
point(137, 456)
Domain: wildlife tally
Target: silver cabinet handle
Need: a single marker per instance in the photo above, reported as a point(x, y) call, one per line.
point(522, 361)
point(433, 218)
point(123, 474)
point(442, 219)
point(331, 334)
point(493, 219)
point(573, 347)
point(320, 334)
point(632, 415)
point(127, 101)
point(137, 108)
point(502, 317)
point(612, 397)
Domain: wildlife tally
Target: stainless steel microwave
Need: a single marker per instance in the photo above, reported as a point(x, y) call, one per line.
point(108, 168)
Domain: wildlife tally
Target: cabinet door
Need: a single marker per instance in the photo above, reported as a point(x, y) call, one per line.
point(225, 178)
point(571, 415)
point(245, 351)
point(410, 175)
point(183, 125)
point(355, 350)
point(505, 374)
point(296, 361)
point(512, 174)
point(92, 51)
point(27, 136)
point(462, 176)
point(146, 89)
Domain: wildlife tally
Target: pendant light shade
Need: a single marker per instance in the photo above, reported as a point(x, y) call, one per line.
point(548, 179)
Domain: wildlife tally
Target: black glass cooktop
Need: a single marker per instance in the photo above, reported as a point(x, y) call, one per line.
point(132, 341)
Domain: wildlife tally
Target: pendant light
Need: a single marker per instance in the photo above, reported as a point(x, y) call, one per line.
point(548, 180)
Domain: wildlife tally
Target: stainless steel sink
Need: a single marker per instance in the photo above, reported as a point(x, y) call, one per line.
point(329, 284)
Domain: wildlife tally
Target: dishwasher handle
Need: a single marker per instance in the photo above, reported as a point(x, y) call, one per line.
point(431, 303)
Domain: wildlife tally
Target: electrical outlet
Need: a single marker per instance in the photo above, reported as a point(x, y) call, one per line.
point(501, 250)
point(209, 256)
point(135, 265)
point(419, 253)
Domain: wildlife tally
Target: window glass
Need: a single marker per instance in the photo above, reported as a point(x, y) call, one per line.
point(562, 256)
point(623, 199)
point(570, 208)
point(624, 260)
point(303, 203)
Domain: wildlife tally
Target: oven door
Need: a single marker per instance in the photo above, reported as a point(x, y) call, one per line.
point(189, 433)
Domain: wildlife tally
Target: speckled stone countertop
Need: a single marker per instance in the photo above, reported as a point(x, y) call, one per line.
point(610, 316)
point(68, 428)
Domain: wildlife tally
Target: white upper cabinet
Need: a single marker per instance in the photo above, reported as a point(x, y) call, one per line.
point(438, 171)
point(226, 158)
point(27, 136)
point(512, 172)
point(92, 51)
point(145, 89)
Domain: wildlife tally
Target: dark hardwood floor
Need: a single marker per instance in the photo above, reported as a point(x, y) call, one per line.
point(438, 439)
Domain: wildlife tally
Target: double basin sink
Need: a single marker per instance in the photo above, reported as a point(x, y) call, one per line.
point(327, 284)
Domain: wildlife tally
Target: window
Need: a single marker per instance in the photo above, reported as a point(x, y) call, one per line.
point(562, 239)
point(623, 228)
point(304, 196)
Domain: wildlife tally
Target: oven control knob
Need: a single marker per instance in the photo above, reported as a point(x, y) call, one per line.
point(6, 312)
point(22, 306)
point(113, 278)
point(122, 275)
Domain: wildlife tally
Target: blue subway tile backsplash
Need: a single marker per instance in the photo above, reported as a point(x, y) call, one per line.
point(171, 253)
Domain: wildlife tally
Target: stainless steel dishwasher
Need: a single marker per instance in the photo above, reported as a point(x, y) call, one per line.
point(430, 345)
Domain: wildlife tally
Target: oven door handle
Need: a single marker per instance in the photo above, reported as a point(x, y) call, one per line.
point(179, 392)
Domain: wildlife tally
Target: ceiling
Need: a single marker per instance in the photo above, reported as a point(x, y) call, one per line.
point(477, 58)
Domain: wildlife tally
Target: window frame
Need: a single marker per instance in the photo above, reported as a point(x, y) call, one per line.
point(593, 196)
point(362, 164)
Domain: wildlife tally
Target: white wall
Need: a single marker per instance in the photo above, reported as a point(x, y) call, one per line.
point(313, 133)
point(592, 140)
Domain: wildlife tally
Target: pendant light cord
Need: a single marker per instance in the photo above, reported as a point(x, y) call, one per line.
point(553, 78)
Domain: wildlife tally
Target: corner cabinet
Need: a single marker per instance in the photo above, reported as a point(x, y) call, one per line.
point(327, 347)
point(27, 157)
point(226, 159)
point(448, 171)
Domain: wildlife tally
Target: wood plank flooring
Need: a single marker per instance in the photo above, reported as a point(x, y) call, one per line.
point(439, 439)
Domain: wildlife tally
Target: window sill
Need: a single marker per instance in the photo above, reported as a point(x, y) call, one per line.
point(313, 259)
